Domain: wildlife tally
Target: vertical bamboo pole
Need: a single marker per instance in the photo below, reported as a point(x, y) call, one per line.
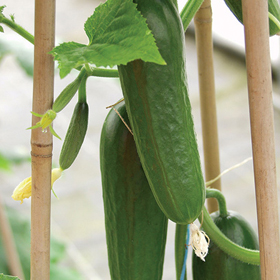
point(41, 143)
point(255, 17)
point(204, 45)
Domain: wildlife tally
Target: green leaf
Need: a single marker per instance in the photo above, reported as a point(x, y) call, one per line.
point(69, 55)
point(117, 34)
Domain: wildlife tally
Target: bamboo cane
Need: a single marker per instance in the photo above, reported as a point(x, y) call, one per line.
point(9, 245)
point(204, 45)
point(41, 143)
point(255, 17)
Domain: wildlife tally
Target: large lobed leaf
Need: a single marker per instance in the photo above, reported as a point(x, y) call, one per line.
point(117, 34)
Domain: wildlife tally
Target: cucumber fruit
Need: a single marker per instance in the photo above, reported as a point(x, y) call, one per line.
point(136, 228)
point(159, 111)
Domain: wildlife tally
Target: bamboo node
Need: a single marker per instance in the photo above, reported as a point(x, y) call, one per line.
point(40, 145)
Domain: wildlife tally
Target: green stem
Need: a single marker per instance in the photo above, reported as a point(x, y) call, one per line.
point(189, 11)
point(87, 67)
point(220, 198)
point(180, 240)
point(17, 28)
point(229, 247)
point(82, 96)
point(102, 72)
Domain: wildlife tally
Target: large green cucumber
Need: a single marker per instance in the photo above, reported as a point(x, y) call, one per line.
point(136, 228)
point(160, 115)
point(219, 265)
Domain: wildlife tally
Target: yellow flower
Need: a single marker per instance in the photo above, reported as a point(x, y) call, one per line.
point(198, 241)
point(23, 190)
point(45, 122)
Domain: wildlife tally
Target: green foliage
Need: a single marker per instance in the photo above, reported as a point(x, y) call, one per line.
point(21, 231)
point(117, 34)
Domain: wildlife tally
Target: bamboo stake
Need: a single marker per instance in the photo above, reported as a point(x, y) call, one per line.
point(9, 245)
point(41, 143)
point(255, 17)
point(204, 45)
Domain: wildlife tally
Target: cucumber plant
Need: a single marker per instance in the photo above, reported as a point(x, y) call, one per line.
point(155, 174)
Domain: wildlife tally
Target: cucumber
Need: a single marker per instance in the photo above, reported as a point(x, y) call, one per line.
point(136, 228)
point(219, 265)
point(75, 135)
point(159, 111)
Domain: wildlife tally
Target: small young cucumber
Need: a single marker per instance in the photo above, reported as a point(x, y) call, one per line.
point(159, 111)
point(136, 228)
point(75, 135)
point(273, 7)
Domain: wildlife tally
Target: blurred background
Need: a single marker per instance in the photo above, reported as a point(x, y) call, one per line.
point(77, 216)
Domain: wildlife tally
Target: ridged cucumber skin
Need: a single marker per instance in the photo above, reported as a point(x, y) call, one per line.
point(219, 265)
point(75, 135)
point(159, 111)
point(273, 7)
point(136, 228)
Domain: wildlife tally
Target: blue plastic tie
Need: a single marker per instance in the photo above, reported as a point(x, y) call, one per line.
point(186, 255)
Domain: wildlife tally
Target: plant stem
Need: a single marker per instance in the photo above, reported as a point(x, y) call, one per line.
point(262, 133)
point(229, 247)
point(82, 95)
point(106, 73)
point(189, 11)
point(204, 45)
point(17, 28)
point(41, 143)
point(220, 198)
